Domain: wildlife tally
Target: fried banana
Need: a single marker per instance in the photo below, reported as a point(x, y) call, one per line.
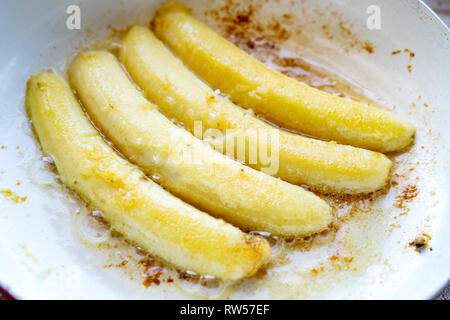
point(132, 204)
point(185, 165)
point(324, 166)
point(280, 99)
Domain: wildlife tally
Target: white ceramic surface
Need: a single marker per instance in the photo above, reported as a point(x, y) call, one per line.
point(41, 258)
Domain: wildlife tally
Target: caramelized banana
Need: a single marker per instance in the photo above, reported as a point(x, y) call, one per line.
point(132, 204)
point(280, 99)
point(325, 166)
point(185, 165)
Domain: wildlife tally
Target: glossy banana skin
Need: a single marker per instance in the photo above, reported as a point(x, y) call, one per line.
point(132, 204)
point(324, 166)
point(217, 184)
point(280, 99)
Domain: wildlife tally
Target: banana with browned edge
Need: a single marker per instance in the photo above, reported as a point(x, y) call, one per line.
point(185, 165)
point(325, 166)
point(131, 203)
point(282, 100)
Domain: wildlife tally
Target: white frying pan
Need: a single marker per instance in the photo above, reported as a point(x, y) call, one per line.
point(42, 254)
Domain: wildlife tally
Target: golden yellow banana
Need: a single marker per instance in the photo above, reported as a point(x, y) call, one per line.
point(326, 166)
point(131, 203)
point(187, 166)
point(283, 100)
